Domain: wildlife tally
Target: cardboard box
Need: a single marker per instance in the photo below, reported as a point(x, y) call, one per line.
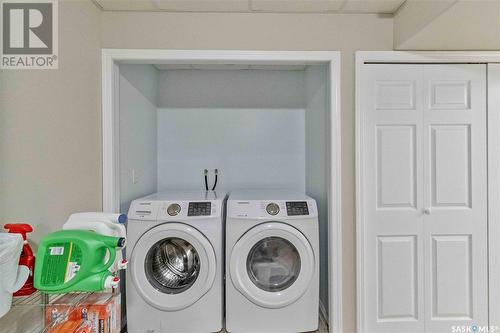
point(98, 313)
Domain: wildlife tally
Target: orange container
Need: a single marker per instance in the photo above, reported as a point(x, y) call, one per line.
point(71, 326)
point(98, 313)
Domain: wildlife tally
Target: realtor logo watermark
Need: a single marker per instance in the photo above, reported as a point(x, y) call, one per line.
point(473, 329)
point(29, 34)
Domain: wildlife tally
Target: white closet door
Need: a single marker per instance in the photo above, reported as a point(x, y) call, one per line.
point(425, 259)
point(455, 191)
point(394, 281)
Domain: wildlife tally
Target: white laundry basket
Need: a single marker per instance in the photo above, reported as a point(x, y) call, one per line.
point(13, 276)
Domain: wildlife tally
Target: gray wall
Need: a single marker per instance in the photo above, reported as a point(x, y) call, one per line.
point(252, 148)
point(448, 25)
point(232, 89)
point(50, 129)
point(317, 163)
point(248, 123)
point(138, 123)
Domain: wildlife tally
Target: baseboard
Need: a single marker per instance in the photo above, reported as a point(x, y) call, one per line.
point(322, 312)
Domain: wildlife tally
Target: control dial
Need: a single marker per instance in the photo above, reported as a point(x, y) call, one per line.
point(272, 208)
point(173, 209)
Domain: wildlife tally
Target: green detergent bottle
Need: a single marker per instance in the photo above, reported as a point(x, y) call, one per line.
point(76, 261)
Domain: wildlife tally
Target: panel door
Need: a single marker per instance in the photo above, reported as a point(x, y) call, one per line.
point(393, 105)
point(424, 165)
point(455, 191)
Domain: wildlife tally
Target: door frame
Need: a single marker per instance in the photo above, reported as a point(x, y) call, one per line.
point(492, 60)
point(111, 58)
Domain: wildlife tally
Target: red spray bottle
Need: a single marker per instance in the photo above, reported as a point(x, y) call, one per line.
point(27, 257)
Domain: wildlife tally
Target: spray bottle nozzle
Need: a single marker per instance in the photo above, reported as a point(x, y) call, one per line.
point(18, 228)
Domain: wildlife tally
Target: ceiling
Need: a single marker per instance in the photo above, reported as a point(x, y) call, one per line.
point(271, 6)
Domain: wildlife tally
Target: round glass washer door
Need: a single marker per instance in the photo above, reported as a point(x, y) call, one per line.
point(272, 265)
point(172, 266)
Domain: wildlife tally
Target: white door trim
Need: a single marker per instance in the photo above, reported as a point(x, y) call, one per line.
point(494, 191)
point(492, 58)
point(110, 71)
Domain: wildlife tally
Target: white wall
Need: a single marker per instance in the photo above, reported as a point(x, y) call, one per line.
point(317, 163)
point(248, 124)
point(252, 148)
point(138, 124)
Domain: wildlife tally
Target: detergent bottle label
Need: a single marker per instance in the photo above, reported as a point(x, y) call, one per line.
point(61, 264)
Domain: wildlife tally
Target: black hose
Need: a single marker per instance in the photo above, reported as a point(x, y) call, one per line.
point(215, 184)
point(206, 182)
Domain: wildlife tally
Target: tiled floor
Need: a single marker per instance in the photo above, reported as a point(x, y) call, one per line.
point(323, 327)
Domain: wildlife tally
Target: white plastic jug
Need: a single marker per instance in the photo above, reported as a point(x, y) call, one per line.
point(105, 224)
point(12, 276)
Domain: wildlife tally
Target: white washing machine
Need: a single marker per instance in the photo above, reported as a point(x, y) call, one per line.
point(272, 264)
point(175, 275)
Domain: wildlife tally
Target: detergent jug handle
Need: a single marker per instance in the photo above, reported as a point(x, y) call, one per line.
point(111, 259)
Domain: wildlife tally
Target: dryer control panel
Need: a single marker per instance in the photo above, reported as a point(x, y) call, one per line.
point(272, 209)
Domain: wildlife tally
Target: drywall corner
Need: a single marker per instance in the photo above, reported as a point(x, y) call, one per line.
point(138, 142)
point(414, 15)
point(448, 25)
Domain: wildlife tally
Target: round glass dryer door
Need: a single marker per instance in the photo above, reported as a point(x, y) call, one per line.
point(172, 266)
point(272, 265)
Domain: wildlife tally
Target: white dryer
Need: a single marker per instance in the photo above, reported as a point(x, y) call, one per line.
point(175, 277)
point(272, 262)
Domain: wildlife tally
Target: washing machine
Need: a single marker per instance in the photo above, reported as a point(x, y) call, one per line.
point(272, 262)
point(175, 251)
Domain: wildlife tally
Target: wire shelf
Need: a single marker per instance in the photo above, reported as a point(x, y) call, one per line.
point(28, 314)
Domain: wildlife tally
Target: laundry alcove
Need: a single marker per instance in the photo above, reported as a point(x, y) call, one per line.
point(261, 124)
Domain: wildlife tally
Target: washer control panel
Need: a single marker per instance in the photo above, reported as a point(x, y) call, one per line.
point(294, 208)
point(199, 209)
point(174, 210)
point(189, 209)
